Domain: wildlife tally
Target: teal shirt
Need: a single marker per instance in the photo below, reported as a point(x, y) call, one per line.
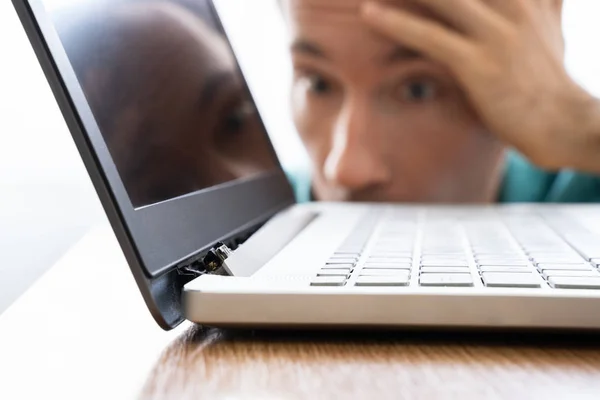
point(522, 183)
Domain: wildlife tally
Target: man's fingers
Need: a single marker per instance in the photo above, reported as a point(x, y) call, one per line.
point(473, 17)
point(512, 10)
point(555, 5)
point(418, 33)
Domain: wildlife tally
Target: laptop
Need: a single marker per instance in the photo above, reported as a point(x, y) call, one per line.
point(208, 222)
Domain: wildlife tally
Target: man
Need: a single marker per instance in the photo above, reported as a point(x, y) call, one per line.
point(424, 100)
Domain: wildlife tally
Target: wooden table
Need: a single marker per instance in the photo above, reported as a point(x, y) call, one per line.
point(83, 332)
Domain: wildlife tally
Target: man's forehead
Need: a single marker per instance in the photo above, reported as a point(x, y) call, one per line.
point(308, 14)
point(334, 26)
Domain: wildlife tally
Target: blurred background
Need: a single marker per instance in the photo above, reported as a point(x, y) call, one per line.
point(47, 202)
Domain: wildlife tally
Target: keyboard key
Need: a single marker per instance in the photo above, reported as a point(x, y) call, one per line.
point(391, 254)
point(445, 263)
point(328, 281)
point(344, 256)
point(453, 280)
point(430, 251)
point(501, 258)
point(507, 253)
point(588, 246)
point(383, 272)
point(397, 280)
point(504, 263)
point(442, 254)
point(341, 261)
point(388, 254)
point(511, 280)
point(547, 248)
point(351, 252)
point(434, 253)
point(445, 270)
point(505, 268)
point(568, 260)
point(559, 267)
point(338, 266)
point(560, 282)
point(460, 256)
point(572, 273)
point(370, 265)
point(395, 239)
point(377, 259)
point(561, 254)
point(492, 254)
point(512, 254)
point(394, 247)
point(334, 272)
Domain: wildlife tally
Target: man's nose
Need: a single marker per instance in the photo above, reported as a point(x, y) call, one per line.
point(356, 160)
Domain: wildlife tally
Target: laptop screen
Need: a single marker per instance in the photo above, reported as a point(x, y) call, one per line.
point(166, 93)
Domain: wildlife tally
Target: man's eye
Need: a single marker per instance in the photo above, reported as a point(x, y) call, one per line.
point(234, 121)
point(318, 84)
point(417, 91)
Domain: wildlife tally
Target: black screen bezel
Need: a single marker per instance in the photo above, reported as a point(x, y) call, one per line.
point(155, 238)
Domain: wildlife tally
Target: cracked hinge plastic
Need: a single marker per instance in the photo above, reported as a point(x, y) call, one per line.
point(212, 263)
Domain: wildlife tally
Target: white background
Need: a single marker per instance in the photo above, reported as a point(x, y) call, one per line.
point(46, 199)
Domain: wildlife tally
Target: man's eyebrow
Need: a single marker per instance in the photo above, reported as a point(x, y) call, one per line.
point(213, 84)
point(401, 54)
point(306, 47)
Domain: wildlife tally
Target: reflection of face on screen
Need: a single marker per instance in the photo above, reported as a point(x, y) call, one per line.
point(165, 92)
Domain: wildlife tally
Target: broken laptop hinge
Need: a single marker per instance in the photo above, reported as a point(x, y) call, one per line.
point(212, 263)
point(215, 259)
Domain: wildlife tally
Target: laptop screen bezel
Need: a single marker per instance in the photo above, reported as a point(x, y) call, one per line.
point(158, 237)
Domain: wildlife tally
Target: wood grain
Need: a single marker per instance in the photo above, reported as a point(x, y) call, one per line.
point(229, 364)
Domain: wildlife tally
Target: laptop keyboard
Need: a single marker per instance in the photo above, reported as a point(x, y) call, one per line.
point(495, 249)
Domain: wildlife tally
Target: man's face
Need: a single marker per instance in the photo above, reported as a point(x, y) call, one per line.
point(380, 122)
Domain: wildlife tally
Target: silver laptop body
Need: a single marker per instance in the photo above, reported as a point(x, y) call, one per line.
point(526, 266)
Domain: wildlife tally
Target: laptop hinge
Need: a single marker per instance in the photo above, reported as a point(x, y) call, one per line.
point(254, 252)
point(212, 263)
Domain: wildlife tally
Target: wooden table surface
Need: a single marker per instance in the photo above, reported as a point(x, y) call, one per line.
point(83, 332)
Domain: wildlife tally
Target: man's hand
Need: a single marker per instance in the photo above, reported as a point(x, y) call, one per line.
point(508, 55)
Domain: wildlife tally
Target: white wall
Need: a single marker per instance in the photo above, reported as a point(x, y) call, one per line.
point(582, 34)
point(46, 199)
